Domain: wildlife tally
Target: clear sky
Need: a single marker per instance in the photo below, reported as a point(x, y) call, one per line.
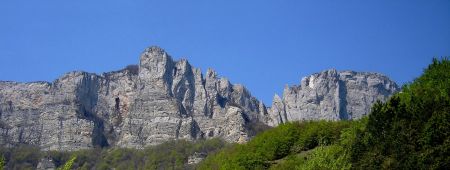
point(263, 45)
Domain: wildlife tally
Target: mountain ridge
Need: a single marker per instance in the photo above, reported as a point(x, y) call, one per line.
point(146, 104)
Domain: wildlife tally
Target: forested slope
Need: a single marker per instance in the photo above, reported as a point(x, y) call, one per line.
point(409, 131)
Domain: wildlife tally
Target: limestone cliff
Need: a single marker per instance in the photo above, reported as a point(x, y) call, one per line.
point(331, 95)
point(158, 100)
point(161, 99)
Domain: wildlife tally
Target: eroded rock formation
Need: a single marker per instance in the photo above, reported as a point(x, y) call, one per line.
point(161, 99)
point(158, 100)
point(331, 95)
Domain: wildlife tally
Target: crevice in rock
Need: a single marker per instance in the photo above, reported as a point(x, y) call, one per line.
point(116, 114)
point(183, 111)
point(20, 138)
point(245, 117)
point(175, 71)
point(211, 133)
point(343, 115)
point(222, 101)
point(141, 139)
point(210, 109)
point(60, 132)
point(194, 129)
point(177, 131)
point(281, 118)
point(107, 85)
point(87, 97)
point(98, 136)
point(202, 135)
point(117, 100)
point(10, 106)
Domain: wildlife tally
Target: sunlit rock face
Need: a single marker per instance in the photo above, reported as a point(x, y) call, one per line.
point(156, 101)
point(161, 99)
point(331, 95)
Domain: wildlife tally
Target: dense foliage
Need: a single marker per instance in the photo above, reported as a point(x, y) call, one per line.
point(169, 155)
point(409, 131)
point(287, 145)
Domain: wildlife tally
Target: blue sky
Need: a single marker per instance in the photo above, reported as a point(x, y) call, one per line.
point(261, 44)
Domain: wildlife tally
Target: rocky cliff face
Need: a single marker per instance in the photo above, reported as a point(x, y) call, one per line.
point(158, 100)
point(331, 95)
point(161, 99)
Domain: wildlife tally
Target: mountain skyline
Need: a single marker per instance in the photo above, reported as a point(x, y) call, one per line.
point(161, 100)
point(264, 48)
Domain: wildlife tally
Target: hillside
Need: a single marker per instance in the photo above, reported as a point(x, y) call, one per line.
point(409, 131)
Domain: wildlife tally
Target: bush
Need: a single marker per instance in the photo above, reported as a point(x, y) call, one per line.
point(2, 162)
point(68, 165)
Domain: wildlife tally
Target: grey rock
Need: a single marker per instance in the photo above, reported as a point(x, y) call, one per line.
point(161, 99)
point(331, 95)
point(156, 101)
point(196, 158)
point(46, 164)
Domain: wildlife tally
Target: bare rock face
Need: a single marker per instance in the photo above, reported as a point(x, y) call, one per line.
point(46, 164)
point(161, 99)
point(156, 101)
point(196, 158)
point(331, 95)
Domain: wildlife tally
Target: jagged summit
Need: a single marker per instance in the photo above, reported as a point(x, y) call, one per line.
point(161, 99)
point(155, 101)
point(154, 48)
point(332, 95)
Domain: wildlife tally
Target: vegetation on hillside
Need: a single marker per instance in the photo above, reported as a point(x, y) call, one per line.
point(314, 144)
point(169, 155)
point(409, 131)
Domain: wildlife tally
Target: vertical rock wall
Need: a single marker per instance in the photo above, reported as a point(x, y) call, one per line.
point(331, 95)
point(161, 99)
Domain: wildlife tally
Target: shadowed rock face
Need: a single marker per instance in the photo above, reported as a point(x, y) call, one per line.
point(331, 95)
point(161, 99)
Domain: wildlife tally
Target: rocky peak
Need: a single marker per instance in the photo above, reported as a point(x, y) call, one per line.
point(155, 63)
point(182, 67)
point(161, 99)
point(211, 74)
point(155, 101)
point(277, 112)
point(331, 95)
point(309, 81)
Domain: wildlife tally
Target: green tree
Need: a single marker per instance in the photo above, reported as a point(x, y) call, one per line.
point(2, 162)
point(69, 164)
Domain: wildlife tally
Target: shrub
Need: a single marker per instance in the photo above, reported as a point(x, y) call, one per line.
point(68, 165)
point(2, 162)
